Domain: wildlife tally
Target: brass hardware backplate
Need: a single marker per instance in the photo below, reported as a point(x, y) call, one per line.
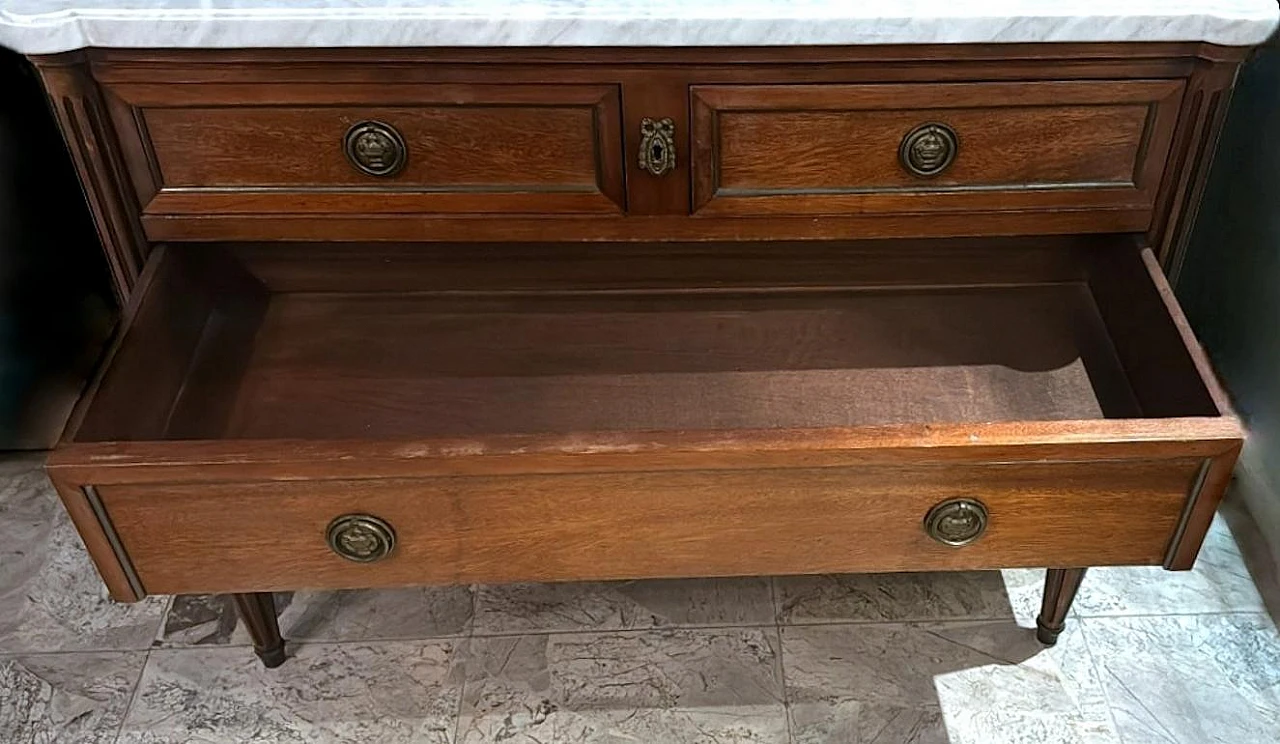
point(928, 150)
point(361, 538)
point(956, 522)
point(657, 145)
point(375, 148)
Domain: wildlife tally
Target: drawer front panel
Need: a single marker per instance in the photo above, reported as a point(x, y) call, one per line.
point(832, 149)
point(284, 148)
point(224, 537)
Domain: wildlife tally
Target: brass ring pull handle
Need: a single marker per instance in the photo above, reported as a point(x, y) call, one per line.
point(361, 538)
point(956, 522)
point(928, 150)
point(657, 146)
point(375, 148)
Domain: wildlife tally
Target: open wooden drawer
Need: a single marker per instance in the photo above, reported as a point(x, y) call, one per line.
point(323, 416)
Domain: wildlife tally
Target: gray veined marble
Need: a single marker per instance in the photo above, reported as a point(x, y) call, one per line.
point(1259, 556)
point(203, 620)
point(367, 615)
point(1200, 679)
point(417, 613)
point(846, 598)
point(384, 693)
point(951, 683)
point(51, 597)
point(1219, 582)
point(974, 595)
point(700, 686)
point(622, 605)
point(47, 26)
point(77, 698)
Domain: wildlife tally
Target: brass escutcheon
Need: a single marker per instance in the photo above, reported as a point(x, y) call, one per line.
point(361, 538)
point(657, 145)
point(956, 522)
point(928, 150)
point(375, 148)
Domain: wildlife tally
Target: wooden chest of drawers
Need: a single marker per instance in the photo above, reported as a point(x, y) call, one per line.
point(484, 316)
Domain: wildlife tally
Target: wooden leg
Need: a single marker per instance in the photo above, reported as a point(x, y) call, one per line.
point(258, 613)
point(1060, 587)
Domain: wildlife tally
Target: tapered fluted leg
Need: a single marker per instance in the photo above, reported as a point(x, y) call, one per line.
point(258, 613)
point(1060, 587)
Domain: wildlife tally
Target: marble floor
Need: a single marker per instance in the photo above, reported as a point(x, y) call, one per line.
point(947, 658)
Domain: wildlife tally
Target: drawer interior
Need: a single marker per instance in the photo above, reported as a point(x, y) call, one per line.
point(331, 341)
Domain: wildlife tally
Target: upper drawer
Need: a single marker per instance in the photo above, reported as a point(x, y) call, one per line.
point(353, 149)
point(920, 148)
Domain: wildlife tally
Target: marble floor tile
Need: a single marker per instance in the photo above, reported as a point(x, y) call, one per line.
point(1220, 582)
point(1025, 587)
point(73, 698)
point(51, 597)
point(383, 693)
point(985, 682)
point(622, 605)
point(204, 620)
point(1260, 556)
point(842, 598)
point(1199, 679)
point(695, 686)
point(367, 615)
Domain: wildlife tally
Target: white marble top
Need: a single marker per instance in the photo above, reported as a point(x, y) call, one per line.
point(48, 26)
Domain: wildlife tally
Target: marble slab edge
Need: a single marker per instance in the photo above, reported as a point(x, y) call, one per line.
point(53, 26)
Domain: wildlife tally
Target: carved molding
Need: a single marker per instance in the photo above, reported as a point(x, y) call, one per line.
point(86, 127)
point(1204, 110)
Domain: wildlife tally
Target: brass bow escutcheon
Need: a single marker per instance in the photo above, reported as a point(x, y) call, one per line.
point(956, 522)
point(361, 538)
point(928, 150)
point(657, 145)
point(375, 148)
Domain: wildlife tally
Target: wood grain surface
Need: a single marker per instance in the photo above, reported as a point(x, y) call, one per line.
point(157, 101)
point(262, 536)
point(828, 149)
point(279, 148)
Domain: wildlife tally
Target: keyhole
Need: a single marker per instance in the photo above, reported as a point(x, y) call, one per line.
point(657, 152)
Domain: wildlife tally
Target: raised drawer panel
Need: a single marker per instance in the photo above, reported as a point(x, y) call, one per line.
point(281, 149)
point(222, 537)
point(833, 149)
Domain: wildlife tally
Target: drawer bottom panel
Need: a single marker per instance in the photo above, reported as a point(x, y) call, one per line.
point(261, 536)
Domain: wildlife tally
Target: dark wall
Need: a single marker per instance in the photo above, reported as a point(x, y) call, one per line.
point(1230, 282)
point(55, 309)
